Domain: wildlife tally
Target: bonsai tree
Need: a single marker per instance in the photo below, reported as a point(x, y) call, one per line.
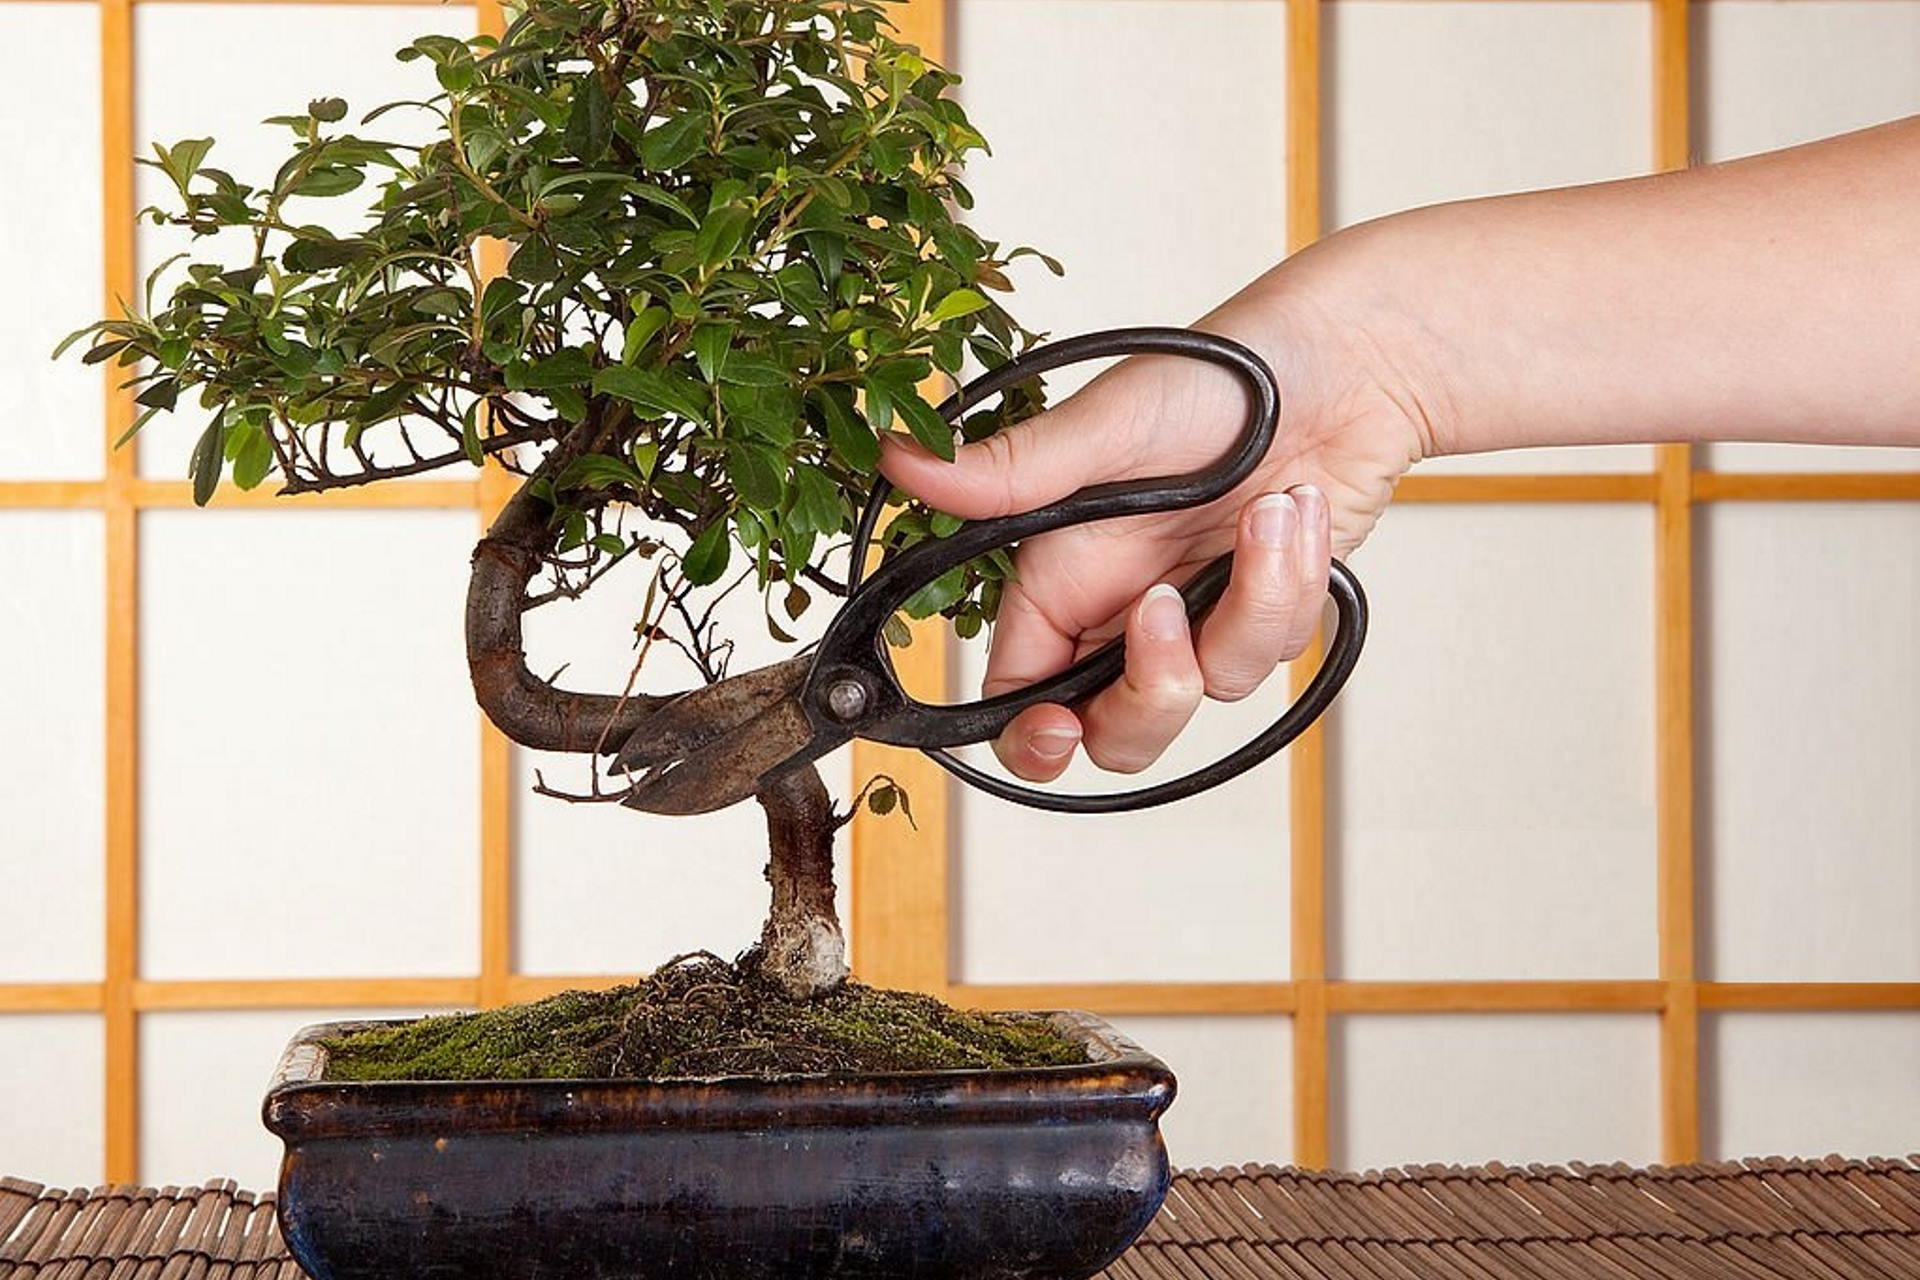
point(731, 257)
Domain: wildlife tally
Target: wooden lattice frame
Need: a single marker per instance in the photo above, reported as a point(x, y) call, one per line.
point(900, 878)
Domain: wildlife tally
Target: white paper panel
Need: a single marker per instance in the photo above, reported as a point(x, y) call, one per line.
point(49, 238)
point(1191, 891)
point(1234, 1103)
point(274, 59)
point(52, 654)
point(52, 1078)
point(1142, 142)
point(202, 1079)
point(1493, 755)
point(309, 745)
point(1468, 1088)
point(1444, 101)
point(1811, 653)
point(1777, 74)
point(1807, 1084)
point(603, 889)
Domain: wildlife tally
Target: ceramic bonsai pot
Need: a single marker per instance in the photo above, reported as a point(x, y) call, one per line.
point(1045, 1173)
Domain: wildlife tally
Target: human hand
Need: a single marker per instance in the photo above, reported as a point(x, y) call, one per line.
point(1349, 426)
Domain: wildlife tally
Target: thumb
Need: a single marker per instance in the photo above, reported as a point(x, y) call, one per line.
point(1029, 465)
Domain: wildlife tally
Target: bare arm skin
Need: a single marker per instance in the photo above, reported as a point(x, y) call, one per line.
point(1774, 298)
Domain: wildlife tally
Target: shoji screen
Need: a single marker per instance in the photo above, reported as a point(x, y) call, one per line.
point(1620, 865)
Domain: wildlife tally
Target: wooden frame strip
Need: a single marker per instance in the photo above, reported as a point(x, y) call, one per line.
point(1673, 674)
point(122, 784)
point(1626, 995)
point(1708, 487)
point(490, 493)
point(899, 875)
point(1307, 758)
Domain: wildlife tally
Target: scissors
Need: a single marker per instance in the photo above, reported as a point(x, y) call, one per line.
point(717, 745)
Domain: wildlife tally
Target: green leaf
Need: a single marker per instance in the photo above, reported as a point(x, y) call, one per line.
point(253, 458)
point(817, 501)
point(721, 234)
point(672, 144)
point(938, 594)
point(470, 435)
point(847, 432)
point(162, 394)
point(927, 426)
point(650, 390)
point(755, 472)
point(328, 180)
point(882, 799)
point(204, 467)
point(328, 110)
point(534, 261)
point(710, 344)
point(747, 370)
point(565, 368)
point(961, 302)
point(590, 122)
point(706, 559)
point(640, 331)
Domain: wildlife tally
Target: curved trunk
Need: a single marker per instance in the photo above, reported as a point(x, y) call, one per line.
point(526, 708)
point(802, 950)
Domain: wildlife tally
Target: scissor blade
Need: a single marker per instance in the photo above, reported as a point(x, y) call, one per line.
point(696, 719)
point(728, 769)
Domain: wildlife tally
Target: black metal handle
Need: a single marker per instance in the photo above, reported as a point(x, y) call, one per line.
point(852, 689)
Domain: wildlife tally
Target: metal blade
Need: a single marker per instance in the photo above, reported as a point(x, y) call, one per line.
point(697, 719)
point(727, 770)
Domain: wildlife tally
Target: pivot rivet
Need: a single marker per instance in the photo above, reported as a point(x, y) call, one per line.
point(846, 699)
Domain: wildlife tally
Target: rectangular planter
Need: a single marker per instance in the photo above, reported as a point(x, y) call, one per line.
point(1046, 1173)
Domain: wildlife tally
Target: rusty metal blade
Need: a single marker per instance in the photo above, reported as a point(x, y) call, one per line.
point(708, 714)
point(727, 770)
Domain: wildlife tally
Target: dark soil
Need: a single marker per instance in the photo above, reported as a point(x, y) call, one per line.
point(699, 1016)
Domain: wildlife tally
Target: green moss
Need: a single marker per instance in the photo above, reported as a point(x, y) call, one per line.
point(699, 1016)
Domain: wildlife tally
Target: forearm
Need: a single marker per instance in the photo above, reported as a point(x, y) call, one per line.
point(1776, 298)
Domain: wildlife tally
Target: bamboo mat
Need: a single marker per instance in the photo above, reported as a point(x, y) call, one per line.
point(1830, 1219)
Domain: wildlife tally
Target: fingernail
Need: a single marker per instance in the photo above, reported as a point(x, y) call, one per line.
point(1163, 614)
point(1306, 495)
point(1053, 744)
point(1273, 520)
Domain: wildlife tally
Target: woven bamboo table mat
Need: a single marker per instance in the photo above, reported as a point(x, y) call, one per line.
point(1829, 1219)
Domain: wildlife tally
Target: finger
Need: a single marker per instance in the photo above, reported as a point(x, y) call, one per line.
point(1028, 465)
point(1246, 635)
point(1313, 557)
point(1129, 723)
point(1040, 743)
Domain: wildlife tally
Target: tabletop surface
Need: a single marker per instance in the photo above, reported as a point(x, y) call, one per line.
point(1831, 1219)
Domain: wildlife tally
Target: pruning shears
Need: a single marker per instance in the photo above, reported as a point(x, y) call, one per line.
point(717, 745)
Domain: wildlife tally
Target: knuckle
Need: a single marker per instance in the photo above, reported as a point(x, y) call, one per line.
point(1231, 684)
point(1171, 692)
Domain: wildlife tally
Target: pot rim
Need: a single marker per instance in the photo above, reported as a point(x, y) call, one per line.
point(1119, 1078)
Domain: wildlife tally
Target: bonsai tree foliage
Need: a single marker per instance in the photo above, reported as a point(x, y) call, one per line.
point(731, 257)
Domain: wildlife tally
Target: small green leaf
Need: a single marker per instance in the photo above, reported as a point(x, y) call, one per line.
point(848, 433)
point(706, 559)
point(253, 458)
point(640, 331)
point(710, 343)
point(927, 426)
point(328, 110)
point(649, 390)
point(721, 234)
point(882, 799)
point(672, 144)
point(961, 302)
point(470, 435)
point(208, 453)
point(755, 472)
point(565, 368)
point(747, 370)
point(590, 122)
point(938, 594)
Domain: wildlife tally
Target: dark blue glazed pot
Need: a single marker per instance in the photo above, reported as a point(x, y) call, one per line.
point(1047, 1173)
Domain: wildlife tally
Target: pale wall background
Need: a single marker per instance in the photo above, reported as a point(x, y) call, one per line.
point(1494, 812)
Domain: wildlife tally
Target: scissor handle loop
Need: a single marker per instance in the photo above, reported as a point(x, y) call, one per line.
point(852, 653)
